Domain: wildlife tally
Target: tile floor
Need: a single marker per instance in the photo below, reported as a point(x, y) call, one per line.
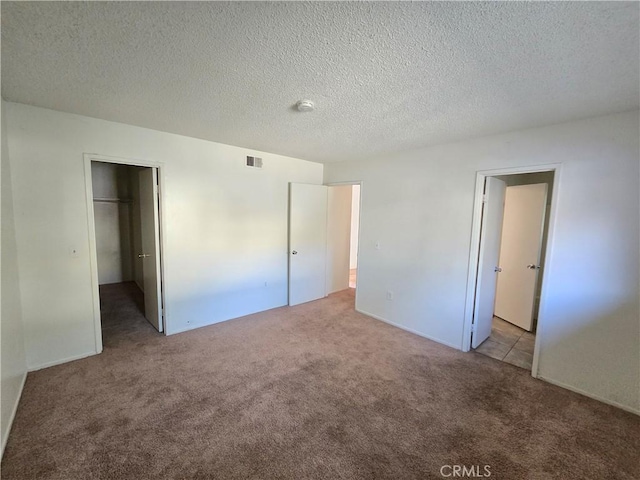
point(509, 343)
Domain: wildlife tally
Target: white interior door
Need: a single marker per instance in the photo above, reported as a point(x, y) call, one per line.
point(524, 211)
point(149, 223)
point(492, 211)
point(307, 242)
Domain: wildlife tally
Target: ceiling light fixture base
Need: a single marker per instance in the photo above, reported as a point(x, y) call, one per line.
point(305, 106)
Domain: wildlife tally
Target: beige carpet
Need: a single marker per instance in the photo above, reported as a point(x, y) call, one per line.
point(316, 391)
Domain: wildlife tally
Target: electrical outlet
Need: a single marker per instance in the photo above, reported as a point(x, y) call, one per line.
point(389, 295)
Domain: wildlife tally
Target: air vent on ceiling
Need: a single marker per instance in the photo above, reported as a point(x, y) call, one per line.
point(255, 162)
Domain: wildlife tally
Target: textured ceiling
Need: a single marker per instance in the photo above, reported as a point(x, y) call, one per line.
point(385, 76)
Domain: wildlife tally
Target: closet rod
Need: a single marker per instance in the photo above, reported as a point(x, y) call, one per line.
point(112, 200)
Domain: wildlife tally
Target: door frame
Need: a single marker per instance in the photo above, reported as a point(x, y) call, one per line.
point(360, 183)
point(474, 251)
point(93, 251)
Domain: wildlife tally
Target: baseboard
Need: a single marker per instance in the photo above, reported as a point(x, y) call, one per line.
point(168, 332)
point(626, 408)
point(195, 326)
point(410, 330)
point(13, 414)
point(64, 360)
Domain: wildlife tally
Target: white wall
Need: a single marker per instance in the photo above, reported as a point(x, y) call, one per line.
point(108, 242)
point(13, 364)
point(338, 237)
point(355, 225)
point(113, 209)
point(225, 226)
point(418, 206)
point(136, 229)
point(125, 221)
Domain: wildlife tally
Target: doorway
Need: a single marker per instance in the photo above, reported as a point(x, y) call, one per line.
point(343, 225)
point(354, 234)
point(514, 221)
point(125, 242)
point(323, 240)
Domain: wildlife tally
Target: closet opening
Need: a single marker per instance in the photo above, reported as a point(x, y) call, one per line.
point(125, 217)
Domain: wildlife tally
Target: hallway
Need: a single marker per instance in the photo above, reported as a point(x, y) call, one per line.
point(509, 343)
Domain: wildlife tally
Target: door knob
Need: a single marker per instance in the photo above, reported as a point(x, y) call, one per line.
point(294, 253)
point(143, 255)
point(497, 269)
point(531, 266)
